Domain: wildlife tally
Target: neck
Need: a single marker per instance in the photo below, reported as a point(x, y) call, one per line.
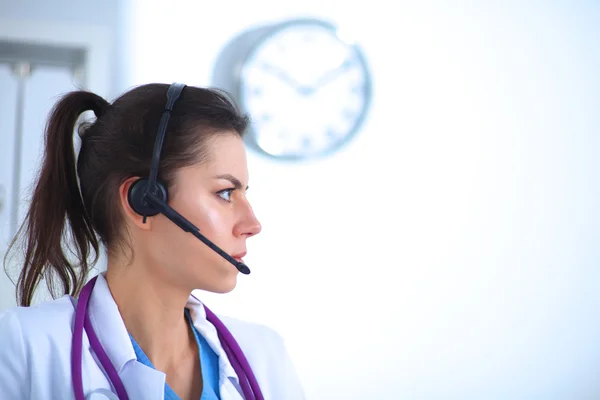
point(153, 312)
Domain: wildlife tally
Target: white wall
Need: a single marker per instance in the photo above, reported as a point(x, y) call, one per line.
point(451, 251)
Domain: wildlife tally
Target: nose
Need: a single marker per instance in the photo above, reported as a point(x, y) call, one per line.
point(248, 225)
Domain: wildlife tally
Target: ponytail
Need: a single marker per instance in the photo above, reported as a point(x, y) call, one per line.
point(57, 212)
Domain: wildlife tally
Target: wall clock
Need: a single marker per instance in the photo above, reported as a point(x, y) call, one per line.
point(306, 88)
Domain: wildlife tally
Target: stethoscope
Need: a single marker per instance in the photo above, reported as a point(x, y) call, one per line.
point(239, 362)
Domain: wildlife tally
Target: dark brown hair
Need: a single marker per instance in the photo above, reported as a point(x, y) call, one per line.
point(63, 221)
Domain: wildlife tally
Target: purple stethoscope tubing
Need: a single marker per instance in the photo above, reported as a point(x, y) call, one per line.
point(236, 356)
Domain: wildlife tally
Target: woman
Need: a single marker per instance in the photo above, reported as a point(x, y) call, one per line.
point(155, 165)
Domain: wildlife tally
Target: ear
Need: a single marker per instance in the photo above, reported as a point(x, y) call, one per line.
point(128, 212)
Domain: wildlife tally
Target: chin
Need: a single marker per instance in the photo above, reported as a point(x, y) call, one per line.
point(223, 287)
point(220, 277)
point(219, 284)
point(215, 287)
point(225, 290)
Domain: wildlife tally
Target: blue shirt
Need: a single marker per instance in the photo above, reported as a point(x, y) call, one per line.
point(209, 363)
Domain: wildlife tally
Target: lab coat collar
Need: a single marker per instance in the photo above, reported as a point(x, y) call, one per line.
point(139, 380)
point(209, 332)
point(109, 326)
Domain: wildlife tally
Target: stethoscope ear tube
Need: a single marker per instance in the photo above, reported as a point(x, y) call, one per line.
point(82, 321)
point(237, 358)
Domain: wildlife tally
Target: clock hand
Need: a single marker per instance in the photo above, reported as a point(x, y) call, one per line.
point(282, 76)
point(332, 74)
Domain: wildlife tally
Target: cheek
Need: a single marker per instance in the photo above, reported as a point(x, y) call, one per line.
point(206, 213)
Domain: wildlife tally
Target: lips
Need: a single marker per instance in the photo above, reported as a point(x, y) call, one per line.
point(239, 256)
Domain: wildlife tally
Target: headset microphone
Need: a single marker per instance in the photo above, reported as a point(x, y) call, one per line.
point(148, 196)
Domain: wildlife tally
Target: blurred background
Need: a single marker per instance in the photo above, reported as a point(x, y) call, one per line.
point(447, 250)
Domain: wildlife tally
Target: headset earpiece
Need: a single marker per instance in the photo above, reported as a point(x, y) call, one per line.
point(136, 197)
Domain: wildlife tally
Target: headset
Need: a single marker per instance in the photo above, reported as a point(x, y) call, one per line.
point(149, 197)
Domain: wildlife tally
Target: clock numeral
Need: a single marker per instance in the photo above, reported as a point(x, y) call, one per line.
point(306, 142)
point(358, 89)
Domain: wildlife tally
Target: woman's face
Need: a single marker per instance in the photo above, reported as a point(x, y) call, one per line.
point(212, 196)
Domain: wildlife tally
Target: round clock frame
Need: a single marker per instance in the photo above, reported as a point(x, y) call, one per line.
point(228, 74)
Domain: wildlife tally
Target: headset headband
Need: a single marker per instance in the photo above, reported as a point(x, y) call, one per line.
point(172, 95)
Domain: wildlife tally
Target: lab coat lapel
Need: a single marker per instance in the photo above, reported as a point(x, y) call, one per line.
point(229, 386)
point(143, 382)
point(140, 381)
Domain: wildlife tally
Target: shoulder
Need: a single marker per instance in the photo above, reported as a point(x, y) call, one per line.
point(29, 334)
point(268, 356)
point(258, 341)
point(39, 328)
point(257, 334)
point(13, 364)
point(46, 318)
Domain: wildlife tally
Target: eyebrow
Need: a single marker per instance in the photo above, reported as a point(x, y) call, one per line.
point(234, 181)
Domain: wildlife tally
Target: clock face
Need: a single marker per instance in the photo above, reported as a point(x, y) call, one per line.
point(305, 89)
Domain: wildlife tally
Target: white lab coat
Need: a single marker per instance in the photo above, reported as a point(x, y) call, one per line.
point(35, 353)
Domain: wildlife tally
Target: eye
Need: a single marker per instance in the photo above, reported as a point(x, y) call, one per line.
point(225, 194)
